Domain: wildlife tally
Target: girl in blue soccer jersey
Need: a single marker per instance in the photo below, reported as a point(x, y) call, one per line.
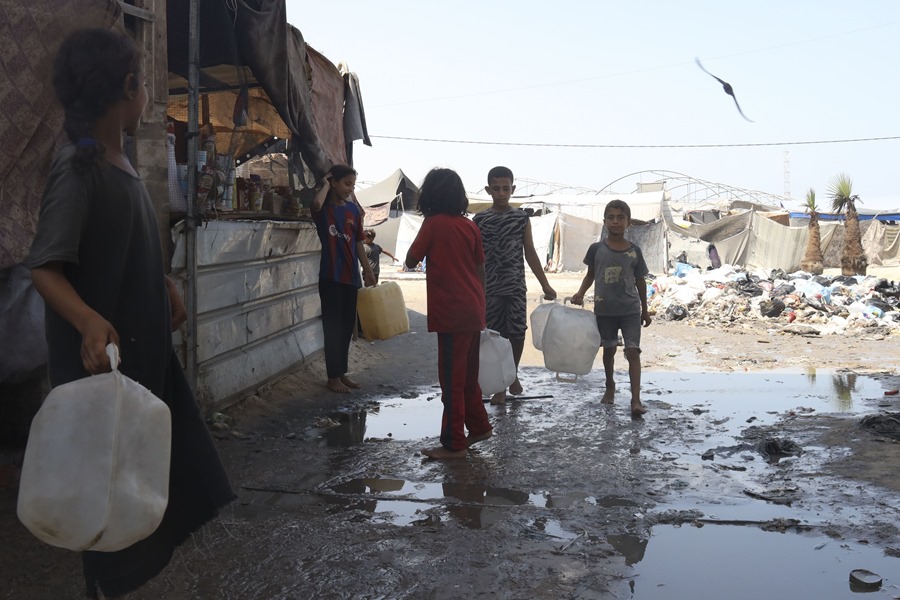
point(339, 224)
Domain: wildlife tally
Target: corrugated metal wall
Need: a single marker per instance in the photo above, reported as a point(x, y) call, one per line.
point(258, 306)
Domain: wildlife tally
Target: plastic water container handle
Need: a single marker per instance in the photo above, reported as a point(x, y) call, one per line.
point(112, 351)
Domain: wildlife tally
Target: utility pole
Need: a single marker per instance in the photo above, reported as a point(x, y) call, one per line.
point(190, 233)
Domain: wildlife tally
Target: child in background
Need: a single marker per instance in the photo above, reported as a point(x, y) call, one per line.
point(374, 252)
point(618, 271)
point(97, 261)
point(506, 232)
point(339, 225)
point(455, 288)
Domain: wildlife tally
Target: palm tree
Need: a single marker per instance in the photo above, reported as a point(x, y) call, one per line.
point(853, 258)
point(813, 262)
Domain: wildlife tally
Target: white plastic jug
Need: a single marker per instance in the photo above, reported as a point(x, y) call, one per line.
point(496, 366)
point(538, 321)
point(382, 311)
point(571, 340)
point(96, 470)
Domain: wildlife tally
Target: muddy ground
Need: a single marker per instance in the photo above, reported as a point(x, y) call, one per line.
point(751, 476)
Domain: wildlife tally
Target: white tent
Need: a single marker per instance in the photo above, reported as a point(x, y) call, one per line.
point(747, 239)
point(396, 187)
point(645, 206)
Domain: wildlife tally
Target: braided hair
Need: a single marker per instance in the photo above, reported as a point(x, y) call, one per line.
point(88, 72)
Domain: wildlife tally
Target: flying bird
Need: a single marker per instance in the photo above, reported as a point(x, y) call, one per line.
point(726, 86)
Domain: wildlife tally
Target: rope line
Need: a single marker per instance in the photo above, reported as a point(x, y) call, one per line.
point(621, 146)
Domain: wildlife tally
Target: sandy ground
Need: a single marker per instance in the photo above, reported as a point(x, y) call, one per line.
point(718, 346)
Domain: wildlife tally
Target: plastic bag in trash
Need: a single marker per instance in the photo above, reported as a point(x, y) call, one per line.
point(676, 312)
point(771, 308)
point(783, 290)
point(887, 289)
point(880, 304)
point(747, 287)
point(682, 269)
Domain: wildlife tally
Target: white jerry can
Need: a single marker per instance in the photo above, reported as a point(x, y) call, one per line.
point(571, 340)
point(96, 470)
point(539, 318)
point(496, 365)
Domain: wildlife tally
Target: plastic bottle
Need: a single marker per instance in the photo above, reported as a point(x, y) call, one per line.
point(177, 198)
point(210, 147)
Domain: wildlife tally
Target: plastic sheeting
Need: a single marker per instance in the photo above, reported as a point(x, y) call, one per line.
point(748, 240)
point(22, 324)
point(388, 190)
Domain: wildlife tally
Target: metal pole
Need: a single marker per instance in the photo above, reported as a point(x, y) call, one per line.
point(191, 220)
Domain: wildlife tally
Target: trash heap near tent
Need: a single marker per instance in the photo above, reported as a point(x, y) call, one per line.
point(797, 303)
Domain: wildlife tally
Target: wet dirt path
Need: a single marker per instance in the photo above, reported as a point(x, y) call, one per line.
point(569, 499)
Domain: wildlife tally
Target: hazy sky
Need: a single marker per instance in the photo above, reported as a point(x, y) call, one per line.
point(623, 74)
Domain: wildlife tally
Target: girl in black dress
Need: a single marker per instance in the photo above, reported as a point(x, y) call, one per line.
point(97, 261)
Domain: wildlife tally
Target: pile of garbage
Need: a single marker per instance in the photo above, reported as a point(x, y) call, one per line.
point(799, 303)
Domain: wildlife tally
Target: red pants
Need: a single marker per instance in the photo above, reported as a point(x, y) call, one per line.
point(460, 392)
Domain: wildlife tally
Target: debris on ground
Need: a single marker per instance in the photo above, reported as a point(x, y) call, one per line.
point(887, 424)
point(799, 303)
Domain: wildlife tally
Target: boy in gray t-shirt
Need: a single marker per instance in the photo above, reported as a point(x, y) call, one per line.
point(617, 269)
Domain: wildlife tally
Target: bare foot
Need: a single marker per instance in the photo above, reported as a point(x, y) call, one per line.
point(637, 409)
point(441, 453)
point(499, 398)
point(336, 385)
point(608, 395)
point(350, 383)
point(516, 388)
point(474, 439)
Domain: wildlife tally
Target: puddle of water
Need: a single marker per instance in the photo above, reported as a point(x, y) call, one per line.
point(739, 563)
point(402, 502)
point(551, 528)
point(728, 402)
point(399, 512)
point(745, 395)
point(752, 510)
point(391, 487)
point(406, 418)
point(464, 492)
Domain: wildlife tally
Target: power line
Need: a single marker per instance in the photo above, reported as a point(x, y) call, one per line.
point(621, 146)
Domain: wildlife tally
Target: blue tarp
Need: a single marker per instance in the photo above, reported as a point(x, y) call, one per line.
point(864, 215)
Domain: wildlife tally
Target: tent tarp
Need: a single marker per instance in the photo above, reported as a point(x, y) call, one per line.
point(651, 239)
point(407, 230)
point(295, 79)
point(542, 228)
point(387, 190)
point(646, 206)
point(573, 237)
